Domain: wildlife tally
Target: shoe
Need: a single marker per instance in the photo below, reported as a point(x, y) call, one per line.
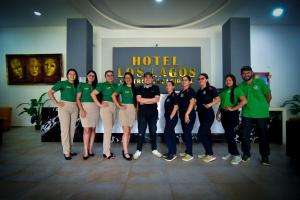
point(236, 160)
point(111, 156)
point(85, 157)
point(156, 153)
point(245, 158)
point(209, 158)
point(67, 157)
point(182, 154)
point(91, 154)
point(265, 161)
point(137, 154)
point(170, 158)
point(73, 154)
point(187, 157)
point(226, 157)
point(165, 155)
point(127, 154)
point(201, 156)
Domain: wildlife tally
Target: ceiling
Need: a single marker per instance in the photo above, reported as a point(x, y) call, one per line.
point(132, 14)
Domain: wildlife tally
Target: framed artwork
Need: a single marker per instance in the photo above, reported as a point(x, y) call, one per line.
point(31, 69)
point(266, 76)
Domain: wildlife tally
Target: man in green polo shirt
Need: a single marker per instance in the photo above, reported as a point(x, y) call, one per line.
point(256, 111)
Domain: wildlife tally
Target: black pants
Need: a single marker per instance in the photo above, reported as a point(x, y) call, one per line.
point(169, 134)
point(144, 119)
point(261, 125)
point(230, 120)
point(187, 132)
point(206, 119)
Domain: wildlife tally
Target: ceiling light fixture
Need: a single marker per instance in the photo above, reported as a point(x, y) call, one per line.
point(159, 1)
point(277, 12)
point(37, 13)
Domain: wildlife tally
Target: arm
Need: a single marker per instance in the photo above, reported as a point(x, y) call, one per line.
point(242, 102)
point(189, 110)
point(116, 101)
point(94, 96)
point(218, 114)
point(269, 97)
point(174, 111)
point(141, 100)
point(215, 101)
point(53, 99)
point(81, 110)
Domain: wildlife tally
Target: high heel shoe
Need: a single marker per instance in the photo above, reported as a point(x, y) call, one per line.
point(91, 154)
point(67, 157)
point(111, 156)
point(127, 154)
point(85, 157)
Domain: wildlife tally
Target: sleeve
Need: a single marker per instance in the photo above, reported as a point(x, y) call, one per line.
point(265, 87)
point(213, 92)
point(157, 91)
point(191, 93)
point(57, 86)
point(79, 88)
point(138, 90)
point(119, 89)
point(238, 92)
point(99, 87)
point(176, 99)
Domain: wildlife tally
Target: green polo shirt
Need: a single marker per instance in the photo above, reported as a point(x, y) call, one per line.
point(225, 97)
point(257, 105)
point(86, 90)
point(67, 90)
point(126, 94)
point(107, 89)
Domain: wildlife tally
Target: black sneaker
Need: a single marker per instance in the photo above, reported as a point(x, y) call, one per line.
point(170, 158)
point(165, 155)
point(245, 158)
point(265, 161)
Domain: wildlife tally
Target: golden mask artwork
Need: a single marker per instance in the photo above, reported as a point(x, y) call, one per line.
point(17, 68)
point(50, 66)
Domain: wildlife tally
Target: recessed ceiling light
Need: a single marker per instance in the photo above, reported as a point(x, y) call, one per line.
point(37, 13)
point(159, 1)
point(277, 12)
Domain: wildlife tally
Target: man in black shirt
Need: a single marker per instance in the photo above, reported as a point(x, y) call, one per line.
point(147, 96)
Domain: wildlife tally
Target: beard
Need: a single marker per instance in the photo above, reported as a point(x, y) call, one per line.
point(247, 78)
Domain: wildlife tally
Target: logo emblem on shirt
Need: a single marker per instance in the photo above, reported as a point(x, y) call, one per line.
point(204, 92)
point(168, 100)
point(181, 95)
point(108, 88)
point(255, 87)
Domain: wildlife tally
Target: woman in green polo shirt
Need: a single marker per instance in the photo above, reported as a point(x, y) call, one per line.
point(107, 109)
point(127, 111)
point(67, 110)
point(89, 112)
point(232, 99)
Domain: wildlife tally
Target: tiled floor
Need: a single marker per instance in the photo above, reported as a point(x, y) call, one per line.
point(30, 169)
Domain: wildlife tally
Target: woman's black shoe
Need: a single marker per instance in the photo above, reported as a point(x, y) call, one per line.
point(85, 157)
point(127, 154)
point(73, 154)
point(67, 157)
point(109, 157)
point(91, 154)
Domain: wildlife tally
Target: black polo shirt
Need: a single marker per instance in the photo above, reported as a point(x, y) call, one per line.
point(148, 93)
point(170, 102)
point(184, 98)
point(205, 96)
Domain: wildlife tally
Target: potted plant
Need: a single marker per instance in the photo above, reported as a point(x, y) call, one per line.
point(34, 109)
point(292, 128)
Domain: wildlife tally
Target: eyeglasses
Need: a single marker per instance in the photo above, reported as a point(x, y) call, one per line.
point(202, 78)
point(109, 75)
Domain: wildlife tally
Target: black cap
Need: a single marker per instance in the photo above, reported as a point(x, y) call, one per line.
point(148, 73)
point(246, 68)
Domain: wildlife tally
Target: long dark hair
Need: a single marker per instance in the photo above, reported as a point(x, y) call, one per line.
point(76, 81)
point(132, 86)
point(233, 86)
point(207, 83)
point(95, 82)
point(173, 84)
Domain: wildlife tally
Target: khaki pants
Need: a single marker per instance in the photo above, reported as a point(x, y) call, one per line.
point(108, 117)
point(67, 115)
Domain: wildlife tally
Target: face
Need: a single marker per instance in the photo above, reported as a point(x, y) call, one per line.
point(229, 82)
point(109, 77)
point(247, 75)
point(34, 66)
point(91, 77)
point(128, 79)
point(49, 67)
point(71, 76)
point(169, 87)
point(202, 80)
point(16, 67)
point(185, 82)
point(148, 80)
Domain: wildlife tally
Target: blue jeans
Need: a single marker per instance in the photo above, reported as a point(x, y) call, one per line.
point(169, 134)
point(261, 125)
point(144, 119)
point(206, 119)
point(187, 132)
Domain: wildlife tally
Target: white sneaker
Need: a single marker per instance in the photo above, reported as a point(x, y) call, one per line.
point(209, 158)
point(137, 154)
point(156, 153)
point(226, 157)
point(236, 160)
point(201, 156)
point(182, 154)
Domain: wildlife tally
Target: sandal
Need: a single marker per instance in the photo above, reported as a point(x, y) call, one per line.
point(111, 156)
point(127, 154)
point(67, 157)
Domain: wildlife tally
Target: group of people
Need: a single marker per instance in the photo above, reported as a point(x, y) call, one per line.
point(252, 97)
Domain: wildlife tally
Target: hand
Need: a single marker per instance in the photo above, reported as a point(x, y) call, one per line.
point(171, 117)
point(104, 104)
point(229, 109)
point(60, 104)
point(82, 113)
point(187, 118)
point(207, 106)
point(122, 107)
